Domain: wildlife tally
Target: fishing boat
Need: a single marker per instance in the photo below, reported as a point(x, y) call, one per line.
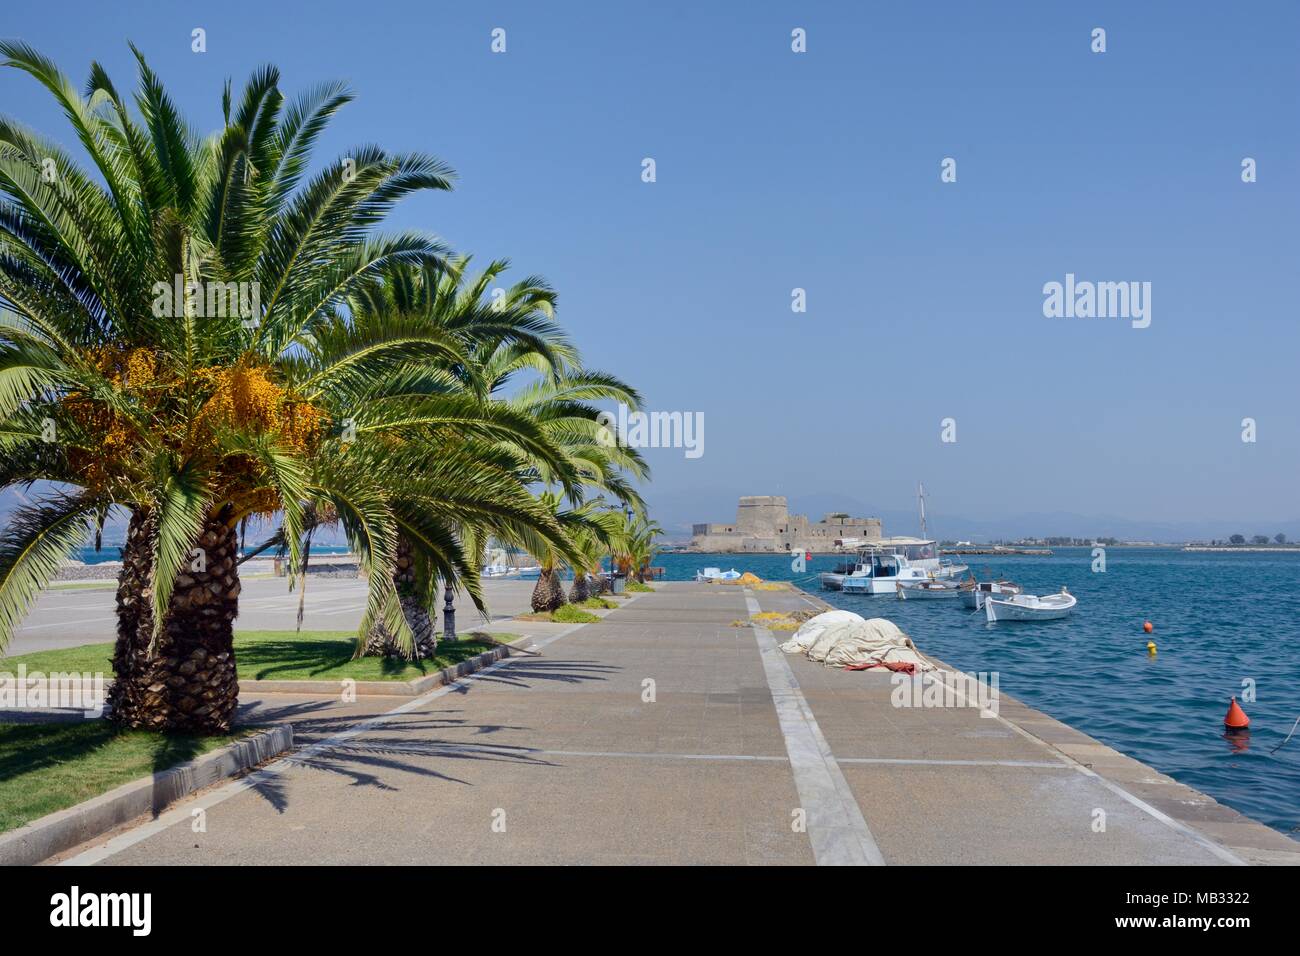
point(974, 592)
point(833, 580)
point(1030, 607)
point(948, 570)
point(927, 590)
point(716, 574)
point(882, 566)
point(530, 574)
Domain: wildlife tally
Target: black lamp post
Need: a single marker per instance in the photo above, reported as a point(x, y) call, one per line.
point(627, 510)
point(448, 614)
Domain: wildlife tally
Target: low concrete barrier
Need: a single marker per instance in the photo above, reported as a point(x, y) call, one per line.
point(65, 829)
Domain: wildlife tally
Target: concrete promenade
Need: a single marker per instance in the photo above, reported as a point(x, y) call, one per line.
point(665, 735)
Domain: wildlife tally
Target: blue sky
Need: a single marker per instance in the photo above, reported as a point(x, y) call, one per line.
point(821, 170)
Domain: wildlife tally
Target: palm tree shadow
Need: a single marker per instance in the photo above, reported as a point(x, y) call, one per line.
point(409, 743)
point(314, 719)
point(318, 657)
point(362, 763)
point(314, 657)
point(172, 753)
point(363, 760)
point(38, 745)
point(522, 674)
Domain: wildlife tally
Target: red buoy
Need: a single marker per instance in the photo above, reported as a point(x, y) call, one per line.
point(1148, 627)
point(1236, 719)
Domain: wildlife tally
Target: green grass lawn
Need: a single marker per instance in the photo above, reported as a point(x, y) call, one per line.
point(49, 767)
point(568, 613)
point(282, 655)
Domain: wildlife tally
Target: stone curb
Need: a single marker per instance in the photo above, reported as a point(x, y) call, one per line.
point(65, 829)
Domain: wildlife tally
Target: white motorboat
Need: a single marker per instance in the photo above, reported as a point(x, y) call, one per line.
point(498, 564)
point(833, 580)
point(1030, 607)
point(973, 592)
point(927, 590)
point(881, 565)
point(716, 574)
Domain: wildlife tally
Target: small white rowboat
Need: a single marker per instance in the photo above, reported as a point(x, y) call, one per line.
point(716, 574)
point(927, 590)
point(1030, 607)
point(973, 593)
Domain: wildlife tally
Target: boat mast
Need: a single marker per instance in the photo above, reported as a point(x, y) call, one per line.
point(920, 494)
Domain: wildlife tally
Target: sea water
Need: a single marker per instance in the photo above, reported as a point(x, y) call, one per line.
point(113, 552)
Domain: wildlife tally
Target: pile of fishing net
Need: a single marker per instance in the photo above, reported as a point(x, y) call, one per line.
point(845, 639)
point(748, 577)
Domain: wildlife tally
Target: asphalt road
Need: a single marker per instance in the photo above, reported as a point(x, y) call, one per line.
point(71, 616)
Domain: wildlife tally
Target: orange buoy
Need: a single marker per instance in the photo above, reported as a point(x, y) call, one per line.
point(1236, 719)
point(1148, 627)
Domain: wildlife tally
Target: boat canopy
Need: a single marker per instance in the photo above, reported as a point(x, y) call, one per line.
point(913, 549)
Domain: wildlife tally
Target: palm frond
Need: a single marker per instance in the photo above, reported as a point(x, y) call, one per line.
point(34, 543)
point(179, 513)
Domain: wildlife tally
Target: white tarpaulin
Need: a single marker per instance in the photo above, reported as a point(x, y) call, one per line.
point(841, 638)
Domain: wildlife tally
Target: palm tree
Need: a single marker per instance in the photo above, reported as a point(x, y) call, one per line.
point(594, 544)
point(562, 404)
point(446, 489)
point(589, 526)
point(193, 419)
point(508, 332)
point(446, 301)
point(638, 547)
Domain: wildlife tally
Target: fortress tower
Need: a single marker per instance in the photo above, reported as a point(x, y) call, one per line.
point(764, 523)
point(762, 516)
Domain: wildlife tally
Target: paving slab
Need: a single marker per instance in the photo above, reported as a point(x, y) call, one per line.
point(629, 741)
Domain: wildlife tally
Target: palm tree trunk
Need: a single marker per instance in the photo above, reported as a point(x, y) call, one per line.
point(581, 589)
point(380, 643)
point(189, 684)
point(548, 595)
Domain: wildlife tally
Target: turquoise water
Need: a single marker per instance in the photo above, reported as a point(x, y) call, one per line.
point(1219, 618)
point(88, 555)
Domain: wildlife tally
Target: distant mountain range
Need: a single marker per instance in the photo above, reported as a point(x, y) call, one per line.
point(677, 511)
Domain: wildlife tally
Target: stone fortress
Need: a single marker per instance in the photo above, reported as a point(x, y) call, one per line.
point(764, 523)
